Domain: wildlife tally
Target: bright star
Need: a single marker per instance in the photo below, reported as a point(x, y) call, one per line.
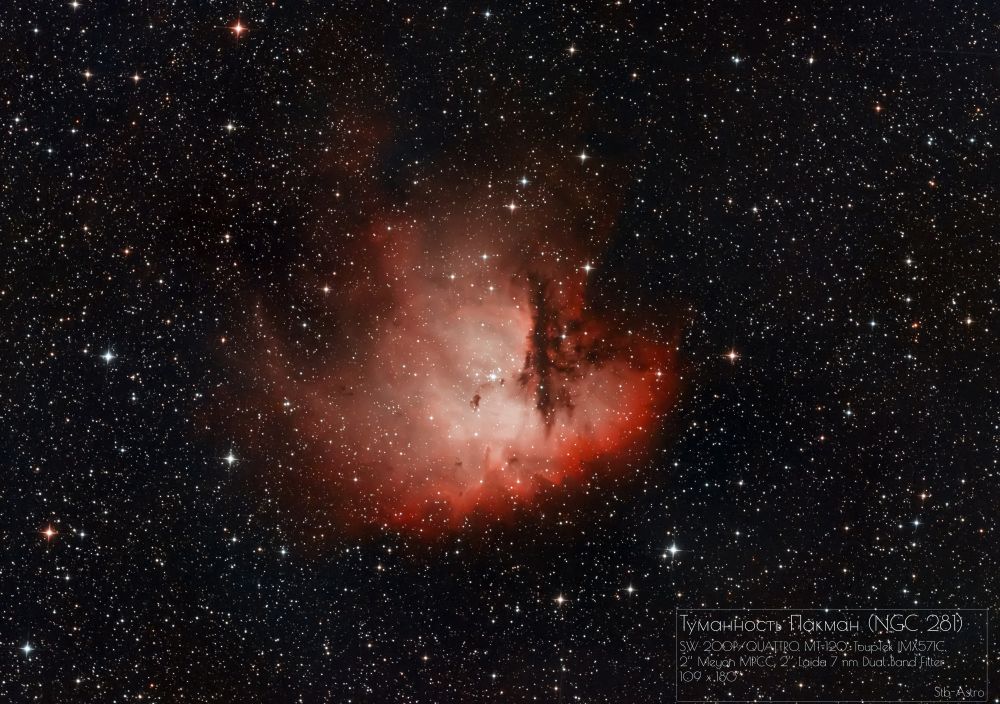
point(107, 357)
point(26, 648)
point(230, 458)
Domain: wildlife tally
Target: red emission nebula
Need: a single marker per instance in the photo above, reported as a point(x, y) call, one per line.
point(465, 372)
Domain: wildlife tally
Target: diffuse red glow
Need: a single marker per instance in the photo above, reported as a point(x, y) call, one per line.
point(471, 380)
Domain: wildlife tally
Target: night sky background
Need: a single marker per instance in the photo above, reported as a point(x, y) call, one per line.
point(802, 200)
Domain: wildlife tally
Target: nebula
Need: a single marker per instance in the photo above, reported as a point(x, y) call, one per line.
point(466, 368)
point(477, 378)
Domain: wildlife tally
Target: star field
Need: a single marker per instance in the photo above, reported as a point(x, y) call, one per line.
point(721, 280)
